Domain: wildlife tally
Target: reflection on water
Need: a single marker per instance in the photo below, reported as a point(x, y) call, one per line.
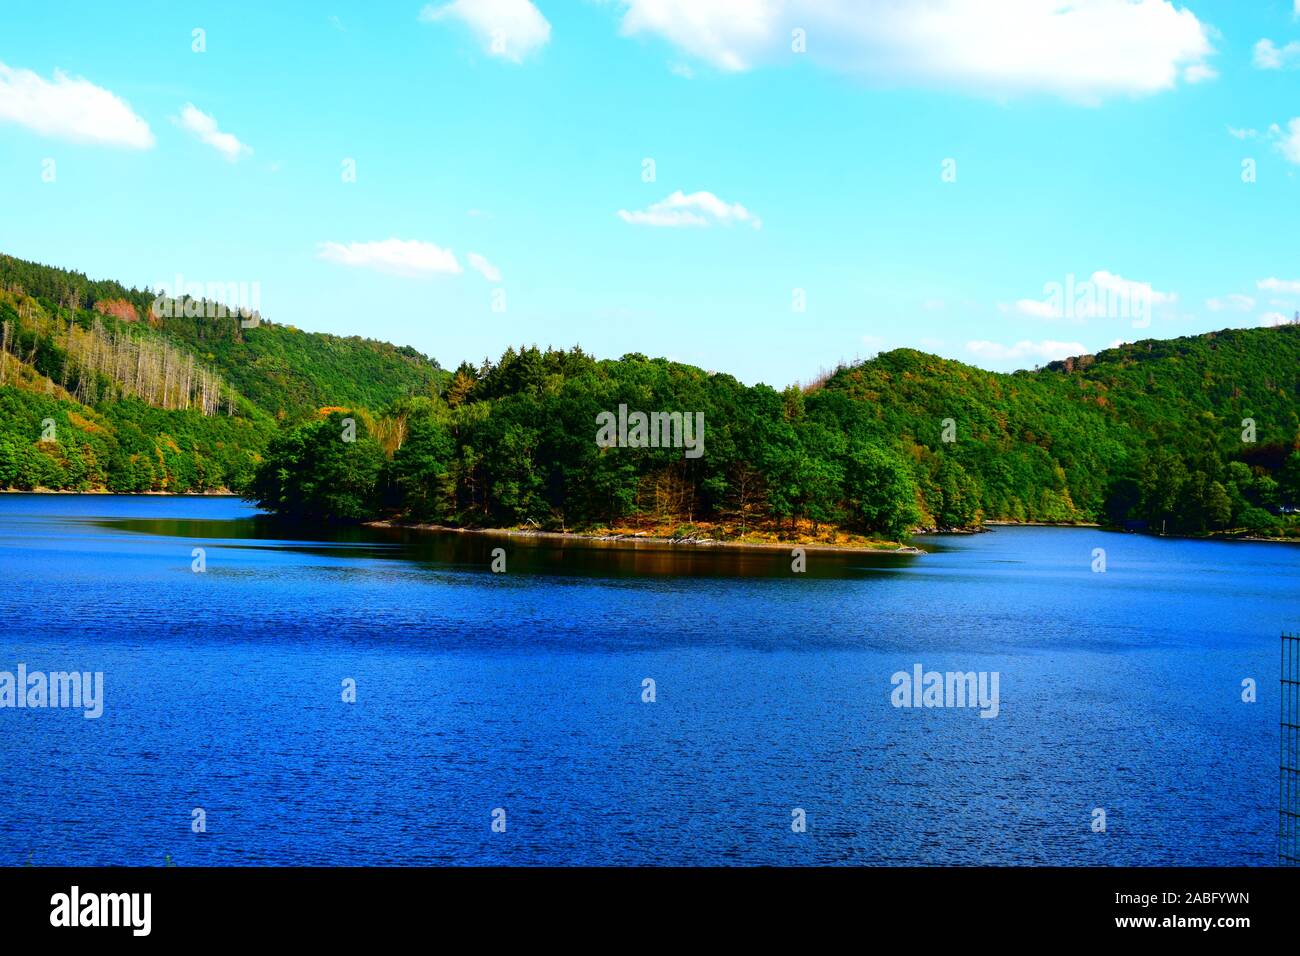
point(529, 554)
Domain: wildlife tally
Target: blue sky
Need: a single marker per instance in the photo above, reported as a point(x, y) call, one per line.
point(1098, 148)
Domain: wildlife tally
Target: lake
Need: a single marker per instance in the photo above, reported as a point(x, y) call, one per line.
point(479, 692)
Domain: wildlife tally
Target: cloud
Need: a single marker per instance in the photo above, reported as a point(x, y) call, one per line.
point(1242, 133)
point(1268, 56)
point(409, 257)
point(205, 130)
point(1274, 318)
point(1037, 309)
point(1278, 285)
point(697, 209)
point(1288, 139)
point(507, 28)
point(1046, 350)
point(1084, 50)
point(1236, 302)
point(484, 268)
point(728, 35)
point(1103, 295)
point(1130, 289)
point(71, 108)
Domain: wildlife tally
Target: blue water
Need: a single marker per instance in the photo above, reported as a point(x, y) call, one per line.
point(522, 691)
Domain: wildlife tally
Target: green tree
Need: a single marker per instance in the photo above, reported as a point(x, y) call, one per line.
point(314, 471)
point(881, 492)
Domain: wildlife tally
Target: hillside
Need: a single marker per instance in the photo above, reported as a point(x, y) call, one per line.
point(1192, 435)
point(1150, 435)
point(173, 402)
point(1151, 431)
point(279, 368)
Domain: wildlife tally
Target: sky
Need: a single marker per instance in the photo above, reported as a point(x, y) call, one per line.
point(759, 187)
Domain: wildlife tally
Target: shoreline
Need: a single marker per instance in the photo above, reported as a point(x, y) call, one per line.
point(655, 541)
point(1042, 524)
point(659, 540)
point(104, 492)
point(1209, 536)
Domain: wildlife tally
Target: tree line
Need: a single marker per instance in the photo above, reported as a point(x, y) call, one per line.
point(900, 442)
point(1190, 435)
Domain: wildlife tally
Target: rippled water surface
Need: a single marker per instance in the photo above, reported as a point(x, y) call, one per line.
point(523, 691)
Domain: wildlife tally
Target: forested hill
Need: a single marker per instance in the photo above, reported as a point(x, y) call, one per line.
point(98, 390)
point(1193, 435)
point(1190, 434)
point(185, 400)
point(279, 368)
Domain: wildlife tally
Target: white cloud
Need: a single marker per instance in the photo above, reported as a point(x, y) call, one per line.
point(1037, 309)
point(1274, 318)
point(681, 69)
point(1084, 50)
point(1103, 295)
point(1132, 290)
point(1242, 133)
point(204, 128)
point(698, 209)
point(506, 28)
point(1269, 56)
point(1288, 139)
point(408, 257)
point(484, 268)
point(1046, 350)
point(1235, 302)
point(730, 35)
point(70, 107)
point(1278, 285)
